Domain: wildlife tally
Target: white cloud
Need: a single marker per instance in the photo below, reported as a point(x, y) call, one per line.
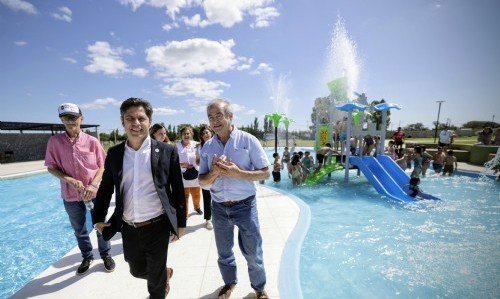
point(195, 21)
point(238, 108)
point(140, 72)
point(199, 105)
point(251, 112)
point(192, 57)
point(63, 15)
point(197, 87)
point(20, 43)
point(263, 16)
point(226, 13)
point(134, 3)
point(168, 27)
point(263, 67)
point(108, 60)
point(245, 63)
point(166, 111)
point(20, 5)
point(99, 104)
point(70, 60)
point(172, 7)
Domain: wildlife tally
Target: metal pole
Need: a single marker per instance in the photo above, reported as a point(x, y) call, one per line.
point(437, 122)
point(348, 146)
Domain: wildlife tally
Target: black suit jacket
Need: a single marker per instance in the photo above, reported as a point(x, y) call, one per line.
point(167, 178)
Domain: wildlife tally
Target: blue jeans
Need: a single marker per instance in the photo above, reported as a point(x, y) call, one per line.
point(77, 213)
point(245, 217)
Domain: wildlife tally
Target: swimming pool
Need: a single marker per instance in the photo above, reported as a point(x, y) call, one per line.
point(361, 245)
point(34, 231)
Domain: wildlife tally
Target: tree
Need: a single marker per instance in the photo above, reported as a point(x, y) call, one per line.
point(266, 125)
point(477, 124)
point(416, 127)
point(256, 124)
point(442, 125)
point(376, 116)
point(104, 137)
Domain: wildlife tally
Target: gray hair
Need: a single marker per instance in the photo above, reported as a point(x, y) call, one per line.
point(226, 106)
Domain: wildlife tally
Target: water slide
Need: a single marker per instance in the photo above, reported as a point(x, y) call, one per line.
point(386, 177)
point(313, 178)
point(399, 176)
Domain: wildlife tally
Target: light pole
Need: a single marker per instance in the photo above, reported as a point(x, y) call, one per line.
point(437, 122)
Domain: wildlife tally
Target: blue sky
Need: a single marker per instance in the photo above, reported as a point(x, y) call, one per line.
point(179, 54)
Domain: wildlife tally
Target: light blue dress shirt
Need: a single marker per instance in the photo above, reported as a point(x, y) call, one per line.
point(245, 151)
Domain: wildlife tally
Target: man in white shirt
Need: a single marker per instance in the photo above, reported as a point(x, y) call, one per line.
point(445, 138)
point(150, 204)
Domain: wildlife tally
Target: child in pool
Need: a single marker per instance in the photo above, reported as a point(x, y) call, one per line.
point(450, 163)
point(414, 190)
point(276, 168)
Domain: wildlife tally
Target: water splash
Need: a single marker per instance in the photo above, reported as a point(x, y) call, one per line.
point(279, 89)
point(342, 60)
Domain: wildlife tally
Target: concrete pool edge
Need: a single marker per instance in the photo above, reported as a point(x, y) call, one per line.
point(289, 272)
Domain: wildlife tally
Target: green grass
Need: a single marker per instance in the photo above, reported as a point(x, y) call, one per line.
point(458, 140)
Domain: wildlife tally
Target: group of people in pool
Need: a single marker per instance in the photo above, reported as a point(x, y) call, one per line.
point(298, 165)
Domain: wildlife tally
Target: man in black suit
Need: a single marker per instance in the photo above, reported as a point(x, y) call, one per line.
point(150, 202)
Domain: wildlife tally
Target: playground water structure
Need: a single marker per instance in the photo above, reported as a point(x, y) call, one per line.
point(361, 244)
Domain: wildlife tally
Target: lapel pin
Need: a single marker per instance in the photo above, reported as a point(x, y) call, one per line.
point(157, 150)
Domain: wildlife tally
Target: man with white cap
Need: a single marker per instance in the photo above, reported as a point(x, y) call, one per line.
point(77, 160)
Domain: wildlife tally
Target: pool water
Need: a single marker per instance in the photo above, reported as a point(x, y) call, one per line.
point(359, 244)
point(34, 232)
point(362, 245)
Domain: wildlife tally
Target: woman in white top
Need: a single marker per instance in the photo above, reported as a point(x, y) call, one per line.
point(205, 134)
point(189, 159)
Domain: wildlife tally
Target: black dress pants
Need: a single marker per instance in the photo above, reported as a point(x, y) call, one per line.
point(145, 250)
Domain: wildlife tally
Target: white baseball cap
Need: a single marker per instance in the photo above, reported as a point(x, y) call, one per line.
point(69, 109)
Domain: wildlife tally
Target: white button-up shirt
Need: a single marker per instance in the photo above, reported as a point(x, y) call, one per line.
point(140, 199)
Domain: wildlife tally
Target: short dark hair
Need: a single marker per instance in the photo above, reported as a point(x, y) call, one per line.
point(414, 181)
point(136, 102)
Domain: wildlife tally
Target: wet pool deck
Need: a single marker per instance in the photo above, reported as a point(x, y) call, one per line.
point(194, 257)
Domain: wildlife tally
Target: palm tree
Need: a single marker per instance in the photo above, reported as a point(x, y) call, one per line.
point(286, 121)
point(275, 117)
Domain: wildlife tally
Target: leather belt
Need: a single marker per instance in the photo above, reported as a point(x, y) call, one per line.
point(147, 222)
point(231, 203)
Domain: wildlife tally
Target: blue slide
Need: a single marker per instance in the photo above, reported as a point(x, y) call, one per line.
point(385, 176)
point(399, 176)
